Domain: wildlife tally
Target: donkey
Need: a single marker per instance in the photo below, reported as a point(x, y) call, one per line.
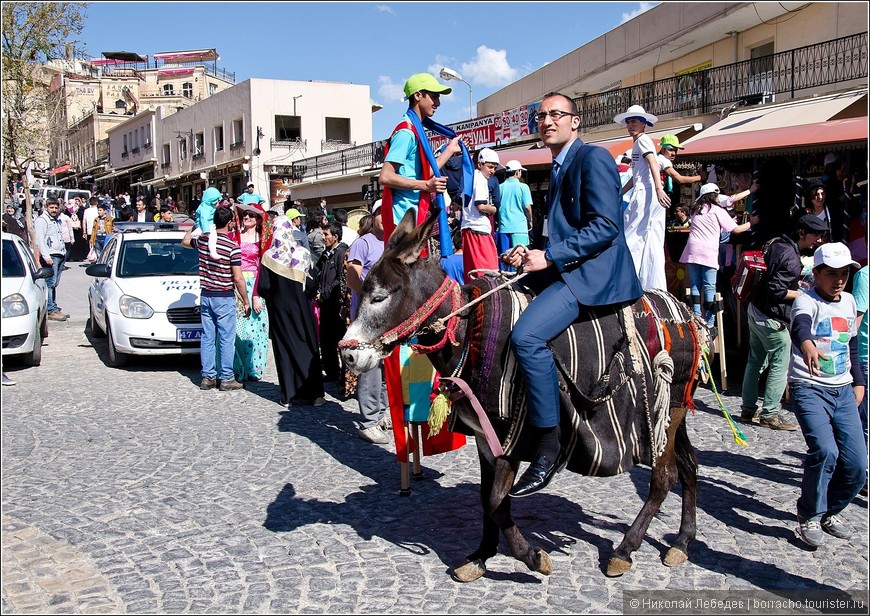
point(607, 422)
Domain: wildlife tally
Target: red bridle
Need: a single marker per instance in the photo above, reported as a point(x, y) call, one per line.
point(411, 327)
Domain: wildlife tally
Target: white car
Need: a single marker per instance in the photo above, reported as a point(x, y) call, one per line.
point(145, 294)
point(25, 298)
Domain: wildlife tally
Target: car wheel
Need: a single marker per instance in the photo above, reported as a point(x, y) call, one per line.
point(43, 329)
point(96, 332)
point(116, 358)
point(34, 358)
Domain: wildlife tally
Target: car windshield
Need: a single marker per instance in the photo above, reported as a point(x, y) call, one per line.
point(13, 266)
point(157, 257)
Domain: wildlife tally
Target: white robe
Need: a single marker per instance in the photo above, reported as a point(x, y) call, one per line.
point(645, 221)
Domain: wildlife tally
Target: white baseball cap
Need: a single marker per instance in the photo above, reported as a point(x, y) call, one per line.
point(513, 166)
point(706, 189)
point(835, 255)
point(488, 155)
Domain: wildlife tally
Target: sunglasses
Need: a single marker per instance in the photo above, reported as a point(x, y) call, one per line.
point(249, 215)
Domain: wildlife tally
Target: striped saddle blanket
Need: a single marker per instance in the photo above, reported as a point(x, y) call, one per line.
point(621, 369)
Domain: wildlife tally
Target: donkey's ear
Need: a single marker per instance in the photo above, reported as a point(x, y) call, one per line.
point(413, 241)
point(405, 226)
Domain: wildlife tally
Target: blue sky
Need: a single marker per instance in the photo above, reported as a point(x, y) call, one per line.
point(490, 44)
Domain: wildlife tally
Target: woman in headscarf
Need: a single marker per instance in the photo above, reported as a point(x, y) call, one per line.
point(283, 282)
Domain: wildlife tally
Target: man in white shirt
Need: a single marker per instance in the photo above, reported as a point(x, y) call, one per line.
point(89, 217)
point(478, 246)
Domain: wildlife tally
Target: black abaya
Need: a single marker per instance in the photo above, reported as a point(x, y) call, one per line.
point(294, 342)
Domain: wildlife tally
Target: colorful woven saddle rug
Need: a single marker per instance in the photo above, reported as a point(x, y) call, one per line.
point(621, 370)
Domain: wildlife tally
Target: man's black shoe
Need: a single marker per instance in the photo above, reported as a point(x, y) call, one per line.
point(538, 475)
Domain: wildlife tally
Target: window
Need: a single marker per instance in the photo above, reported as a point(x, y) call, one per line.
point(125, 143)
point(288, 128)
point(187, 89)
point(119, 104)
point(182, 149)
point(166, 156)
point(168, 89)
point(338, 130)
point(218, 138)
point(212, 89)
point(199, 144)
point(238, 134)
point(761, 70)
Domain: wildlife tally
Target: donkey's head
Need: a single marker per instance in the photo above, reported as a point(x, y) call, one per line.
point(396, 286)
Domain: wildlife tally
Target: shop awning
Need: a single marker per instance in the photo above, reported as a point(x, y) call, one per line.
point(61, 169)
point(115, 173)
point(528, 156)
point(618, 146)
point(796, 124)
point(784, 138)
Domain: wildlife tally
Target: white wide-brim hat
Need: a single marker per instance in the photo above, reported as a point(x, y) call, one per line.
point(636, 111)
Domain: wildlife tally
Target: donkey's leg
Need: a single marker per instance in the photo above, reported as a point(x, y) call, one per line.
point(535, 559)
point(664, 476)
point(475, 564)
point(687, 469)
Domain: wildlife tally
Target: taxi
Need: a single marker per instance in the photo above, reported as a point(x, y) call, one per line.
point(145, 294)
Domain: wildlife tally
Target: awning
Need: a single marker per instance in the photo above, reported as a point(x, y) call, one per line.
point(118, 172)
point(796, 124)
point(820, 134)
point(124, 56)
point(528, 156)
point(61, 169)
point(194, 55)
point(175, 72)
point(618, 146)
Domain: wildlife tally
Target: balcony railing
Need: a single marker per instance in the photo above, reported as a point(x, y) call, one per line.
point(831, 62)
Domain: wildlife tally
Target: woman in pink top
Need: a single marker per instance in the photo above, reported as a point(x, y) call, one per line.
point(702, 248)
point(252, 332)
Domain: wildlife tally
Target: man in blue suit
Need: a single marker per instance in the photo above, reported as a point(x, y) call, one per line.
point(580, 259)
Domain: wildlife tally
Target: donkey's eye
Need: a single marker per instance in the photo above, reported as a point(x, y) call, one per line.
point(379, 297)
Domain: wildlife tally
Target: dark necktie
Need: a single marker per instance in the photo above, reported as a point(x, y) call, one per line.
point(554, 175)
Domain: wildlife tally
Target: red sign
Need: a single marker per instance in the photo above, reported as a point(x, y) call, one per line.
point(475, 133)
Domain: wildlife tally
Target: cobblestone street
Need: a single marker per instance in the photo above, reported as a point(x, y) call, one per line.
point(130, 490)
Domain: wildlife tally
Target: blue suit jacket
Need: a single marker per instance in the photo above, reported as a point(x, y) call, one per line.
point(586, 238)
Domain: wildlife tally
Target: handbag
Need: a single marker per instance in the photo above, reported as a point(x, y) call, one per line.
point(92, 255)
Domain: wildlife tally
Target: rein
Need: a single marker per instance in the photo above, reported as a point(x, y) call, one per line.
point(410, 328)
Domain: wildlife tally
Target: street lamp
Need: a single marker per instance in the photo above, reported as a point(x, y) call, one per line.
point(448, 74)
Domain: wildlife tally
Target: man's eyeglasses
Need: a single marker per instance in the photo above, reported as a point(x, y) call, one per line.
point(555, 115)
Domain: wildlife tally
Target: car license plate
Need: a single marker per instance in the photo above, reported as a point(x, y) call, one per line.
point(189, 334)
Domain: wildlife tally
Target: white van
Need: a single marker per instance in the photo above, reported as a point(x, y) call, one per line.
point(61, 193)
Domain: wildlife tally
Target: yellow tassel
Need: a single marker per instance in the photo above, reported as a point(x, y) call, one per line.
point(438, 412)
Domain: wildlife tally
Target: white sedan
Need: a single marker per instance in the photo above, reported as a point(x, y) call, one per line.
point(145, 294)
point(25, 298)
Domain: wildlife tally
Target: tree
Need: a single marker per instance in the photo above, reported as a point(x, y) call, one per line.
point(33, 34)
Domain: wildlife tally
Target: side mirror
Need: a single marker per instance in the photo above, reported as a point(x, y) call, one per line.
point(43, 273)
point(98, 270)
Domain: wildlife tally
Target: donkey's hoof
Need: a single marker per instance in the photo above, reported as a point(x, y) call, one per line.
point(546, 566)
point(469, 570)
point(675, 557)
point(617, 566)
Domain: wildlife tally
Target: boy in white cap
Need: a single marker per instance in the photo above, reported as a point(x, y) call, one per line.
point(826, 386)
point(646, 214)
point(478, 246)
point(515, 209)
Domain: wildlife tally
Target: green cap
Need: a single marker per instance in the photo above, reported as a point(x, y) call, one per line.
point(671, 141)
point(292, 213)
point(424, 81)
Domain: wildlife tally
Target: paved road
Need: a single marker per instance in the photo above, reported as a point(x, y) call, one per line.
point(132, 491)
